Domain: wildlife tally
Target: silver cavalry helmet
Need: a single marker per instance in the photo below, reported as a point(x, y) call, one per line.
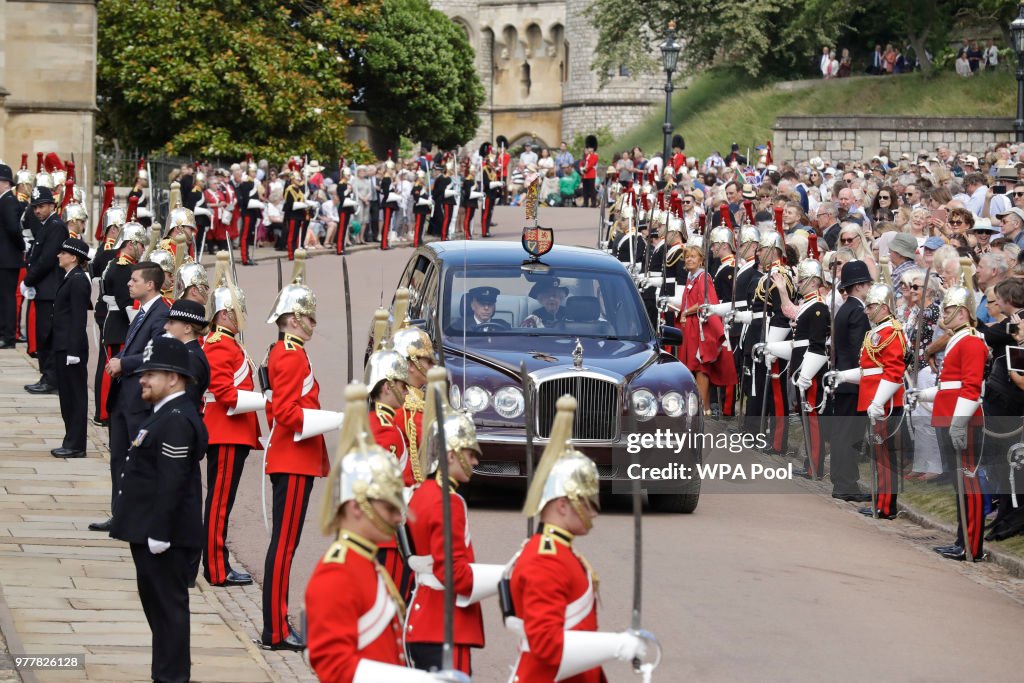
point(459, 428)
point(771, 240)
point(164, 259)
point(879, 293)
point(959, 297)
point(807, 269)
point(385, 365)
point(190, 275)
point(75, 212)
point(748, 234)
point(115, 215)
point(295, 298)
point(132, 232)
point(722, 235)
point(180, 217)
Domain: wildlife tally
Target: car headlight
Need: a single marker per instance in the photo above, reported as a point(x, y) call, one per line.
point(455, 397)
point(476, 399)
point(672, 404)
point(645, 406)
point(692, 404)
point(508, 402)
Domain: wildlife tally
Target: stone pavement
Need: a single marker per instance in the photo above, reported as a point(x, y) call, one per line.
point(67, 590)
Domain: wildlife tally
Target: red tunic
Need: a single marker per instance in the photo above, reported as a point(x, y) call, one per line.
point(964, 363)
point(293, 388)
point(229, 373)
point(881, 357)
point(716, 361)
point(425, 622)
point(353, 612)
point(588, 166)
point(553, 591)
point(387, 433)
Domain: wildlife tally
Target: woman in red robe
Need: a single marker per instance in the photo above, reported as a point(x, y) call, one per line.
point(705, 349)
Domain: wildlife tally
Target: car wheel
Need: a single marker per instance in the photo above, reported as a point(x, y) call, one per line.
point(679, 503)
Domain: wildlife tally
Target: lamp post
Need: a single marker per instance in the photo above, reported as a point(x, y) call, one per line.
point(1017, 33)
point(669, 58)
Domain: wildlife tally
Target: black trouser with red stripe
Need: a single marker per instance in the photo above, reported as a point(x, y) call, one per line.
point(295, 222)
point(446, 217)
point(291, 498)
point(344, 218)
point(427, 657)
point(814, 438)
point(777, 411)
point(418, 230)
point(385, 228)
point(224, 463)
point(101, 387)
point(485, 222)
point(247, 240)
point(886, 455)
point(967, 460)
point(467, 221)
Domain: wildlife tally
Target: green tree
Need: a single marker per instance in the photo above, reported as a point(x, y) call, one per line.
point(418, 77)
point(779, 38)
point(223, 77)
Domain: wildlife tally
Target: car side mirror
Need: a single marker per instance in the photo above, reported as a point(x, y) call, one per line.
point(670, 336)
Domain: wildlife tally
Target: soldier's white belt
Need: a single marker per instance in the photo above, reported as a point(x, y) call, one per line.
point(943, 386)
point(757, 316)
point(870, 372)
point(801, 343)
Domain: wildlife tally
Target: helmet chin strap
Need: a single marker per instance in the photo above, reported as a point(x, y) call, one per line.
point(581, 512)
point(806, 286)
point(374, 517)
point(947, 321)
point(303, 324)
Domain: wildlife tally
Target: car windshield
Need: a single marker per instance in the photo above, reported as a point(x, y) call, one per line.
point(508, 301)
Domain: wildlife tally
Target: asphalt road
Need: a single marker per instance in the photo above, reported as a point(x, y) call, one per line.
point(750, 587)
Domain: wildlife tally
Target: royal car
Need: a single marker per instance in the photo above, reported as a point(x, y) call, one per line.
point(590, 338)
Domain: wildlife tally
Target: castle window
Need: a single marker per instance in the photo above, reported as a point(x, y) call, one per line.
point(624, 71)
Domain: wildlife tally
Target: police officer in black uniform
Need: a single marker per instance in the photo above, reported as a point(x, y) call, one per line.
point(158, 507)
point(12, 247)
point(71, 345)
point(186, 322)
point(480, 314)
point(42, 275)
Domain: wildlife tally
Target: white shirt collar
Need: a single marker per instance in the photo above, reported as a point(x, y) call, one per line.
point(144, 308)
point(167, 399)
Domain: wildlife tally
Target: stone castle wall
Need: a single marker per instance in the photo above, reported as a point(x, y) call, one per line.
point(858, 138)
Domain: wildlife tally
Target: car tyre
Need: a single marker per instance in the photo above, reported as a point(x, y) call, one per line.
point(679, 503)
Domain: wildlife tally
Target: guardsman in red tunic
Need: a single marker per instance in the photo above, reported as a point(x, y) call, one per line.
point(806, 356)
point(230, 413)
point(353, 610)
point(414, 345)
point(472, 582)
point(880, 377)
point(553, 588)
point(385, 376)
point(957, 416)
point(296, 454)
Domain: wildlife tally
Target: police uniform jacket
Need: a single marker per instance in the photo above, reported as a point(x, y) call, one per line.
point(160, 494)
point(425, 622)
point(882, 357)
point(961, 376)
point(12, 244)
point(115, 284)
point(42, 271)
point(852, 326)
point(200, 368)
point(70, 309)
point(353, 611)
point(553, 591)
point(293, 388)
point(230, 372)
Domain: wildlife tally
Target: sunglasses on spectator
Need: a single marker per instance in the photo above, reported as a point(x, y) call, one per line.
point(1017, 194)
point(849, 240)
point(956, 222)
point(884, 196)
point(916, 288)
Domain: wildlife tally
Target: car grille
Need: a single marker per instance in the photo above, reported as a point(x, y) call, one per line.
point(498, 467)
point(597, 409)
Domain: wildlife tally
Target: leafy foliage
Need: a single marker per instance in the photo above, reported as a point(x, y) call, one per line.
point(418, 78)
point(223, 77)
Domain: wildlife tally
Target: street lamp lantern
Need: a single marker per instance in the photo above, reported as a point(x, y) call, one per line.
point(669, 59)
point(1017, 34)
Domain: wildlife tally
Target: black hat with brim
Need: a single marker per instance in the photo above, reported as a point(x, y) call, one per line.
point(42, 195)
point(854, 273)
point(188, 312)
point(485, 295)
point(73, 245)
point(167, 354)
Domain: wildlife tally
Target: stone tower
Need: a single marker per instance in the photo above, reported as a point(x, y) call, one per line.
point(533, 59)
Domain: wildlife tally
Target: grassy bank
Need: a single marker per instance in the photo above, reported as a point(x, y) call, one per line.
point(720, 107)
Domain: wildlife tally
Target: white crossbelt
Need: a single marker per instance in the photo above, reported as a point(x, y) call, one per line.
point(871, 372)
point(943, 386)
point(801, 343)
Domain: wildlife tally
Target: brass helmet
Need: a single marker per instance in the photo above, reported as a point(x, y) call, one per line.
point(807, 269)
point(879, 293)
point(132, 232)
point(75, 212)
point(385, 365)
point(362, 471)
point(295, 298)
point(459, 429)
point(190, 275)
point(771, 240)
point(959, 296)
point(115, 215)
point(722, 235)
point(748, 234)
point(563, 472)
point(226, 296)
